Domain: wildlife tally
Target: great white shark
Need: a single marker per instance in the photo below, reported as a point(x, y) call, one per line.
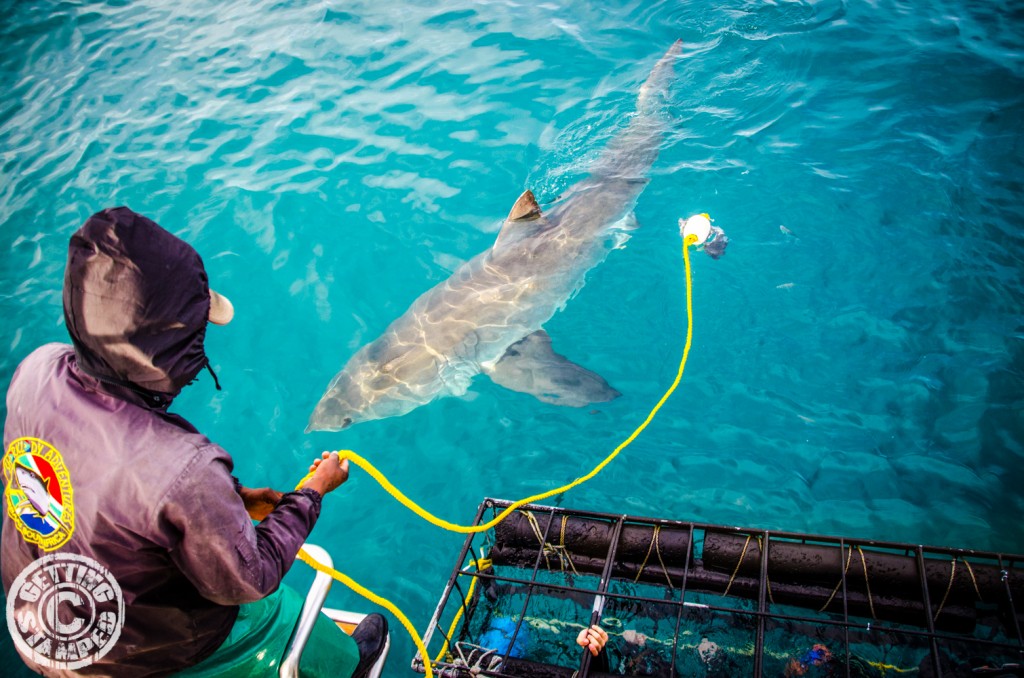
point(488, 316)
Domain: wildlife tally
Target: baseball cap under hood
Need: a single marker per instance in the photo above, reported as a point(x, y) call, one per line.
point(136, 302)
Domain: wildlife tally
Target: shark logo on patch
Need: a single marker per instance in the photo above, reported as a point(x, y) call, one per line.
point(39, 494)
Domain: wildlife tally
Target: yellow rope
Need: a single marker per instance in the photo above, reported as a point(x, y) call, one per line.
point(657, 552)
point(839, 583)
point(949, 586)
point(546, 548)
point(563, 552)
point(767, 579)
point(743, 554)
point(883, 667)
point(867, 584)
point(739, 562)
point(650, 547)
point(656, 547)
point(481, 565)
point(373, 598)
point(970, 570)
point(472, 529)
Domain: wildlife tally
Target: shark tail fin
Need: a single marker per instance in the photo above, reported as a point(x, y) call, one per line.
point(656, 86)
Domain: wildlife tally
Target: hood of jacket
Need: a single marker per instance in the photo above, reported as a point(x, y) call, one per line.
point(136, 302)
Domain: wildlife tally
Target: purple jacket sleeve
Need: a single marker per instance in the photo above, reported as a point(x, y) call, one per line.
point(215, 544)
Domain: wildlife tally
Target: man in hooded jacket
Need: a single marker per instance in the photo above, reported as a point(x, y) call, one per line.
point(127, 549)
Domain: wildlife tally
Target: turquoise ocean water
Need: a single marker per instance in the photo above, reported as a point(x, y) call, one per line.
point(858, 360)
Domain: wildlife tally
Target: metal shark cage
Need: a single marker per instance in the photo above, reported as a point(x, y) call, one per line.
point(692, 599)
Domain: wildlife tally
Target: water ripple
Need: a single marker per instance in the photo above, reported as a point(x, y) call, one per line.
point(858, 361)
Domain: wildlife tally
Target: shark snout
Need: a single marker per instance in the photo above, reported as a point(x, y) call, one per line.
point(330, 415)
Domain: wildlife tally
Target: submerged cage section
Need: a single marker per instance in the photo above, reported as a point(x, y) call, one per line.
point(691, 599)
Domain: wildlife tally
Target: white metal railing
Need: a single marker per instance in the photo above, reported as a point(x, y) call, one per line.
point(311, 610)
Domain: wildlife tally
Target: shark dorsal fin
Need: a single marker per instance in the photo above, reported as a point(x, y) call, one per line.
point(524, 220)
point(525, 209)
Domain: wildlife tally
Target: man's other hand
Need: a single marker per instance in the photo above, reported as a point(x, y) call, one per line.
point(593, 639)
point(328, 473)
point(259, 502)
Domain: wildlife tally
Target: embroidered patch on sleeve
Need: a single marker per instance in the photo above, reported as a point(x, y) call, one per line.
point(39, 496)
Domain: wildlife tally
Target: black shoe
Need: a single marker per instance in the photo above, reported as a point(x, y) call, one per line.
point(371, 635)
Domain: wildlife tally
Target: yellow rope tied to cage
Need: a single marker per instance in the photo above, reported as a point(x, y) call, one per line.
point(849, 559)
point(867, 584)
point(535, 526)
point(736, 570)
point(656, 547)
point(743, 554)
point(974, 580)
point(546, 547)
point(369, 468)
point(482, 564)
point(949, 586)
point(563, 550)
point(767, 579)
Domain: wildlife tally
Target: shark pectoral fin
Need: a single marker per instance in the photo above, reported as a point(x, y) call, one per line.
point(531, 366)
point(627, 223)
